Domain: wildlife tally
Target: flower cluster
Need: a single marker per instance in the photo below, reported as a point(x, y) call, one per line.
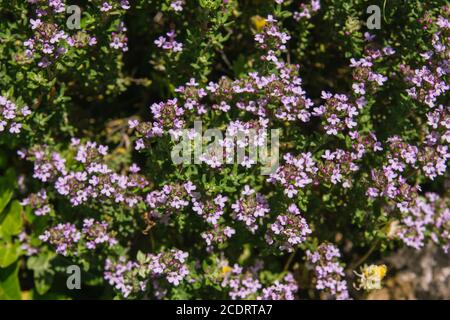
point(217, 235)
point(328, 271)
point(254, 93)
point(428, 216)
point(245, 284)
point(402, 159)
point(245, 138)
point(12, 116)
point(38, 202)
point(64, 236)
point(428, 156)
point(295, 174)
point(170, 265)
point(211, 211)
point(280, 290)
point(441, 225)
point(47, 165)
point(338, 112)
point(119, 39)
point(365, 79)
point(169, 43)
point(108, 6)
point(338, 166)
point(429, 81)
point(130, 277)
point(167, 115)
point(95, 233)
point(174, 198)
point(438, 122)
point(272, 38)
point(289, 230)
point(171, 198)
point(242, 285)
point(119, 274)
point(26, 245)
point(94, 182)
point(177, 5)
point(250, 207)
point(306, 10)
point(49, 40)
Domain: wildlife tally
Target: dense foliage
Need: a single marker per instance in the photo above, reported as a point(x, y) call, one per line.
point(90, 115)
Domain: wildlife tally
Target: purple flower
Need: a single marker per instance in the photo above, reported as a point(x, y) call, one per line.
point(95, 233)
point(295, 174)
point(250, 207)
point(39, 202)
point(289, 230)
point(169, 43)
point(329, 273)
point(11, 116)
point(63, 236)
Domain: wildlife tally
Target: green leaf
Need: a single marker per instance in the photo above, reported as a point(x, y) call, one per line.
point(43, 281)
point(141, 257)
point(43, 275)
point(41, 261)
point(9, 283)
point(6, 188)
point(11, 220)
point(9, 252)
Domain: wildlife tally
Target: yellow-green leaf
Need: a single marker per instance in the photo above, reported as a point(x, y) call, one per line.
point(9, 283)
point(11, 220)
point(9, 252)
